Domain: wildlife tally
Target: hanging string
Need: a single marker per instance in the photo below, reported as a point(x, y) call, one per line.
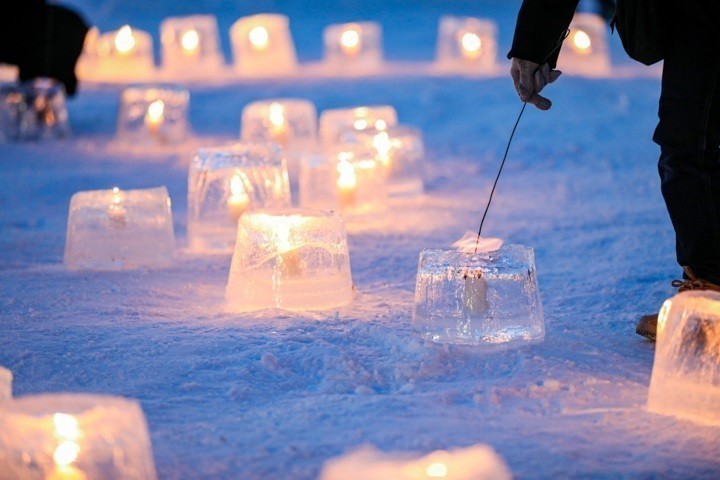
point(562, 38)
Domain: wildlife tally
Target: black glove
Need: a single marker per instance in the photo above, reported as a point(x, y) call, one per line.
point(530, 79)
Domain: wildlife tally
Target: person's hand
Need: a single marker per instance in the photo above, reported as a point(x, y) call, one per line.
point(530, 79)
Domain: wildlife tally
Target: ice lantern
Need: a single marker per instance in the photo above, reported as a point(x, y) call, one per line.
point(262, 46)
point(290, 259)
point(74, 437)
point(153, 115)
point(686, 373)
point(6, 378)
point(489, 299)
point(191, 45)
point(334, 122)
point(349, 178)
point(123, 55)
point(226, 182)
point(33, 110)
point(120, 229)
point(585, 52)
point(466, 43)
point(353, 45)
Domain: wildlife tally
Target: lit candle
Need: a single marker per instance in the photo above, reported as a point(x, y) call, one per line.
point(278, 125)
point(155, 116)
point(116, 210)
point(67, 432)
point(581, 42)
point(190, 42)
point(259, 38)
point(383, 145)
point(471, 45)
point(346, 182)
point(350, 41)
point(289, 256)
point(474, 295)
point(125, 41)
point(239, 200)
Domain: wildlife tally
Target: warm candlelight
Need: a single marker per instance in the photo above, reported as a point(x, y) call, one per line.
point(155, 116)
point(239, 200)
point(289, 256)
point(116, 210)
point(346, 182)
point(259, 38)
point(581, 42)
point(190, 42)
point(471, 45)
point(350, 41)
point(384, 146)
point(124, 40)
point(278, 124)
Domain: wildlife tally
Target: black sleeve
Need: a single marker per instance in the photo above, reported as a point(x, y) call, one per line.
point(539, 26)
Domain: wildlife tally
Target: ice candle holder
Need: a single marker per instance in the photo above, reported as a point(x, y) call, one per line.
point(685, 378)
point(467, 43)
point(122, 55)
point(488, 299)
point(585, 52)
point(33, 110)
point(262, 46)
point(401, 152)
point(153, 115)
point(226, 182)
point(291, 259)
point(6, 378)
point(350, 179)
point(334, 122)
point(74, 437)
point(120, 229)
point(357, 46)
point(191, 45)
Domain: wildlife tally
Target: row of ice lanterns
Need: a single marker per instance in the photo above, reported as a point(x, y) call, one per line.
point(262, 46)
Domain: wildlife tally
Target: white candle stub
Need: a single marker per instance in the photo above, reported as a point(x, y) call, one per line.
point(469, 243)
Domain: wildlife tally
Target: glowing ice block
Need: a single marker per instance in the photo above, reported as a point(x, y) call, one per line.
point(686, 374)
point(74, 437)
point(153, 115)
point(226, 182)
point(489, 299)
point(262, 46)
point(6, 378)
point(120, 229)
point(334, 122)
point(354, 46)
point(33, 110)
point(120, 56)
point(191, 45)
point(291, 259)
point(585, 51)
point(467, 43)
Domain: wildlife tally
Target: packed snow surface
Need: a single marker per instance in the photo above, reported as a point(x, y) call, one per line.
point(278, 394)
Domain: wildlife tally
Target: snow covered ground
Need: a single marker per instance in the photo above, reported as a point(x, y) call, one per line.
point(277, 395)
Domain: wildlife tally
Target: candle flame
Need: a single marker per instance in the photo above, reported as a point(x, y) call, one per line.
point(190, 41)
point(259, 37)
point(124, 40)
point(276, 114)
point(360, 124)
point(581, 42)
point(155, 112)
point(469, 241)
point(66, 453)
point(383, 145)
point(350, 40)
point(471, 44)
point(346, 174)
point(115, 199)
point(66, 426)
point(380, 125)
point(437, 470)
point(237, 186)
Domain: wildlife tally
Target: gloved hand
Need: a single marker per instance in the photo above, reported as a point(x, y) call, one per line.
point(530, 79)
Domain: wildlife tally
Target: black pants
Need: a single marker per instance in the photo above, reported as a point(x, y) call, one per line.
point(689, 135)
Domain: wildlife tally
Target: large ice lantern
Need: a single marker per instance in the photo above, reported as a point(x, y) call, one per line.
point(585, 52)
point(6, 378)
point(354, 46)
point(33, 110)
point(155, 115)
point(123, 55)
point(191, 45)
point(292, 259)
point(262, 46)
point(74, 437)
point(466, 43)
point(226, 182)
point(334, 122)
point(488, 299)
point(686, 374)
point(120, 229)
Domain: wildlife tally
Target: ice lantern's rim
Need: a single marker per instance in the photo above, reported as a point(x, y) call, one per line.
point(294, 214)
point(150, 92)
point(710, 301)
point(6, 378)
point(485, 261)
point(239, 155)
point(128, 196)
point(78, 404)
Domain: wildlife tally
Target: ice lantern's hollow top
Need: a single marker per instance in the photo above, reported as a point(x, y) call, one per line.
point(226, 182)
point(585, 51)
point(686, 373)
point(334, 122)
point(33, 110)
point(120, 229)
point(153, 115)
point(6, 378)
point(353, 45)
point(262, 46)
point(191, 44)
point(293, 259)
point(290, 122)
point(71, 436)
point(489, 299)
point(467, 43)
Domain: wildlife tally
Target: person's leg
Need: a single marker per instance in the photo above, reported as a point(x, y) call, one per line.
point(689, 136)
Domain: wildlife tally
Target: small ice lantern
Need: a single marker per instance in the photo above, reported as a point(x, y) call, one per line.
point(226, 182)
point(126, 54)
point(686, 374)
point(585, 52)
point(354, 45)
point(400, 150)
point(489, 299)
point(334, 122)
point(466, 43)
point(292, 259)
point(120, 229)
point(6, 378)
point(154, 115)
point(191, 44)
point(74, 437)
point(262, 45)
point(33, 110)
point(349, 178)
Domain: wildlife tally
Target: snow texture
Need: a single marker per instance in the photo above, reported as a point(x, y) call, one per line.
point(277, 395)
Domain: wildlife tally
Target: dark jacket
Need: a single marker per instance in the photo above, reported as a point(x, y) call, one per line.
point(42, 40)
